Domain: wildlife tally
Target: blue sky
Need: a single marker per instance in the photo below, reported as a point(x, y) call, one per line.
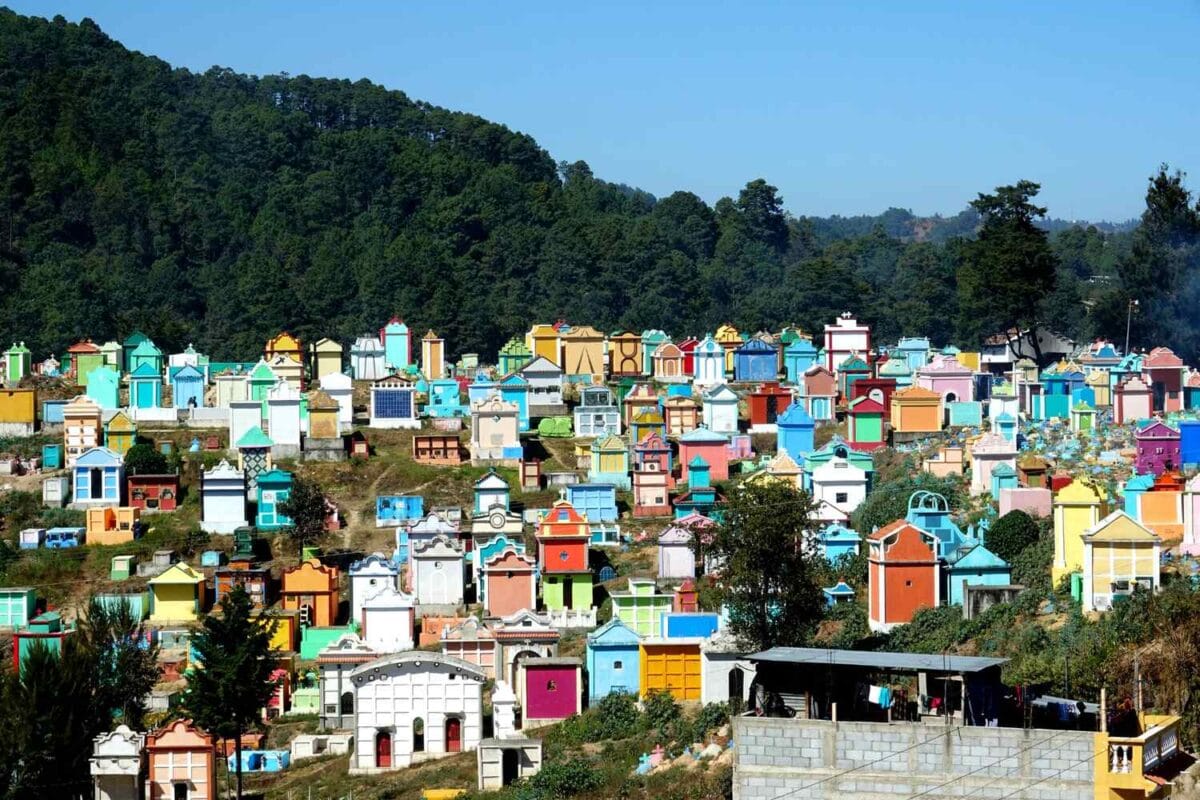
point(846, 107)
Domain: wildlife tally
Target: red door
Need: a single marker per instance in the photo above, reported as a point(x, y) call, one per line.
point(453, 735)
point(383, 749)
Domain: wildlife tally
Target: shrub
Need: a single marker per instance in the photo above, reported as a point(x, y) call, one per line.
point(563, 779)
point(143, 459)
point(708, 718)
point(615, 717)
point(662, 712)
point(19, 510)
point(1012, 534)
point(855, 626)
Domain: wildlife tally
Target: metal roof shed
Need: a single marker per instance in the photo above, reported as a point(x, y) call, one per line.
point(817, 683)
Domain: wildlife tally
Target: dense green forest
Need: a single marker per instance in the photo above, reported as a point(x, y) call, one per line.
point(221, 208)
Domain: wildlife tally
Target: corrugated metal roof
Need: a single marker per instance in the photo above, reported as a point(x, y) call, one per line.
point(859, 658)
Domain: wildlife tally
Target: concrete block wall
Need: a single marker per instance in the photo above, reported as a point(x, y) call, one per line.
point(817, 760)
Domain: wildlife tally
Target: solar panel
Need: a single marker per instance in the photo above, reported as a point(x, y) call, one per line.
point(393, 403)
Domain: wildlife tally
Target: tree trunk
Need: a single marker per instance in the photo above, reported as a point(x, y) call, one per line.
point(237, 752)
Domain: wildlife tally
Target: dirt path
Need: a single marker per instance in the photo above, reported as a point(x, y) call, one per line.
point(355, 515)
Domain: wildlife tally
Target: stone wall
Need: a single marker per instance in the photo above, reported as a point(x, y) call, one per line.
point(818, 760)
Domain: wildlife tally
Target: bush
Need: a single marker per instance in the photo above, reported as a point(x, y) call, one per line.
point(855, 626)
point(1031, 567)
point(143, 459)
point(1012, 534)
point(19, 510)
point(662, 712)
point(709, 718)
point(562, 779)
point(616, 716)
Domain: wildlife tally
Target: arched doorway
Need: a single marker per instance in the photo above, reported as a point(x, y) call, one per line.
point(347, 704)
point(383, 750)
point(736, 685)
point(418, 735)
point(453, 735)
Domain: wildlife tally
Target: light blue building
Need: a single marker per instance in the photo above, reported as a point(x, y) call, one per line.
point(688, 625)
point(515, 389)
point(52, 411)
point(965, 413)
point(898, 370)
point(978, 567)
point(598, 501)
point(613, 663)
point(18, 605)
point(839, 593)
point(755, 361)
point(1135, 487)
point(651, 340)
point(709, 361)
point(104, 386)
point(274, 487)
point(187, 387)
point(1005, 424)
point(797, 357)
point(701, 496)
point(138, 602)
point(398, 509)
point(481, 388)
point(914, 351)
point(1003, 477)
point(397, 344)
point(145, 387)
point(445, 399)
point(836, 541)
point(794, 431)
point(930, 512)
point(97, 478)
point(1083, 394)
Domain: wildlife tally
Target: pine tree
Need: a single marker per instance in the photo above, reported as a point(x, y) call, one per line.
point(127, 664)
point(305, 506)
point(233, 680)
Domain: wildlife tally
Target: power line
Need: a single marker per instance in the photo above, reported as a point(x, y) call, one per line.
point(957, 778)
point(1072, 765)
point(887, 757)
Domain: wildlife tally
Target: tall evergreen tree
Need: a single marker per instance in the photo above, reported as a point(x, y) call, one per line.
point(1009, 270)
point(767, 574)
point(233, 682)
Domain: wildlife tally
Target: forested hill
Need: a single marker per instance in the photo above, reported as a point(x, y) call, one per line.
point(221, 208)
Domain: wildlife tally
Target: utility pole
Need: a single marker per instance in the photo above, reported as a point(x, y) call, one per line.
point(1128, 320)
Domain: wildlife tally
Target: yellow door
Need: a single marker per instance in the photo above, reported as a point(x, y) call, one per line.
point(673, 668)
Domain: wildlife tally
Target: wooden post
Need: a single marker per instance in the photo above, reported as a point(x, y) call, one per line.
point(1137, 680)
point(1103, 710)
point(833, 711)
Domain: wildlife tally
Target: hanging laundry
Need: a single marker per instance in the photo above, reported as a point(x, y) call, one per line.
point(875, 694)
